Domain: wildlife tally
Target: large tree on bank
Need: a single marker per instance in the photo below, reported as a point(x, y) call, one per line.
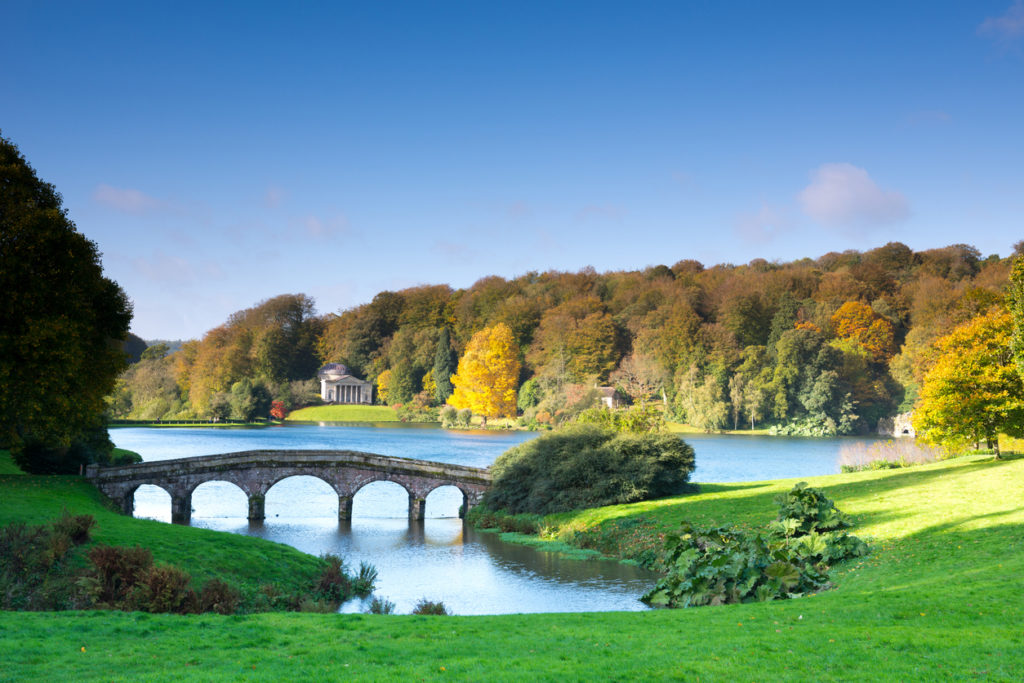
point(62, 324)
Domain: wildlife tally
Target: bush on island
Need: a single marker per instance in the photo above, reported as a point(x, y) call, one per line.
point(588, 466)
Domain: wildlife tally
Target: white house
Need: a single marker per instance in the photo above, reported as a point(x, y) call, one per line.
point(337, 385)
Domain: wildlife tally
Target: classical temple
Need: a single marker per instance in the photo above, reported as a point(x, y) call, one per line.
point(337, 385)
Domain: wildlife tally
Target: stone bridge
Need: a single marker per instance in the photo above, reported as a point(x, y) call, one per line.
point(256, 471)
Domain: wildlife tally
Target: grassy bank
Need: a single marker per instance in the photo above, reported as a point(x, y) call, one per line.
point(242, 561)
point(938, 599)
point(344, 414)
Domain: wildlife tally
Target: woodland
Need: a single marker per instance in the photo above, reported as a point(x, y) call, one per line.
point(811, 347)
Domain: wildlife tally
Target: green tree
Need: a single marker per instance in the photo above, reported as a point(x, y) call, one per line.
point(62, 324)
point(1015, 302)
point(249, 400)
point(974, 391)
point(446, 362)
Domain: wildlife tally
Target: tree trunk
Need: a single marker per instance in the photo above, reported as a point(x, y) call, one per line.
point(995, 446)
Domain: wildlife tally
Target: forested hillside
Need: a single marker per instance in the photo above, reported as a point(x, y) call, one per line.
point(815, 346)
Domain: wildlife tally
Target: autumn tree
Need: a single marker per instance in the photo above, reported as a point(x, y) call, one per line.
point(1015, 303)
point(488, 374)
point(974, 391)
point(62, 324)
point(860, 323)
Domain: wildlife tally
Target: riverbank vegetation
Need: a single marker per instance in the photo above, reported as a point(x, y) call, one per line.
point(931, 601)
point(810, 347)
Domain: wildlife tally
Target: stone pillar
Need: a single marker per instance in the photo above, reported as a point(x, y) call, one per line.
point(128, 503)
point(256, 507)
point(417, 508)
point(344, 507)
point(181, 507)
point(465, 506)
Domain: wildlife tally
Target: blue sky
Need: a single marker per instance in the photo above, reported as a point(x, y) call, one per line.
point(220, 153)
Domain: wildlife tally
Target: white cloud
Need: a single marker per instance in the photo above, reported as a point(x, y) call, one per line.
point(273, 197)
point(845, 196)
point(764, 225)
point(174, 270)
point(126, 199)
point(1006, 27)
point(325, 228)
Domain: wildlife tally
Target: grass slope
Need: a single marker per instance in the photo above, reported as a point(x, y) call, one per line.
point(244, 561)
point(343, 414)
point(938, 599)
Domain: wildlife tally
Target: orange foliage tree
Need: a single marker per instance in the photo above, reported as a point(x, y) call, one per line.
point(488, 374)
point(858, 322)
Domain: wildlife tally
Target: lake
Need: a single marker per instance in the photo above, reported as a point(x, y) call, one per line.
point(440, 558)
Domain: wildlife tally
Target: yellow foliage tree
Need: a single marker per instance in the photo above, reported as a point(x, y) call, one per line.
point(488, 374)
point(858, 322)
point(974, 391)
point(383, 386)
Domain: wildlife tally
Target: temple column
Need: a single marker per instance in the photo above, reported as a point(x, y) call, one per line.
point(417, 508)
point(344, 507)
point(181, 508)
point(257, 502)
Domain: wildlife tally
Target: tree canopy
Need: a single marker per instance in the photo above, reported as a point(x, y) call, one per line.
point(62, 326)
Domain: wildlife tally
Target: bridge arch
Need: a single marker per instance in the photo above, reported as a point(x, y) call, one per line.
point(320, 495)
point(391, 496)
point(439, 497)
point(219, 490)
point(151, 491)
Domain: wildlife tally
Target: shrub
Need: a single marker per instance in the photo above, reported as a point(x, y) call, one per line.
point(380, 606)
point(164, 589)
point(448, 416)
point(334, 583)
point(116, 571)
point(588, 466)
point(220, 597)
point(425, 606)
point(464, 417)
point(78, 528)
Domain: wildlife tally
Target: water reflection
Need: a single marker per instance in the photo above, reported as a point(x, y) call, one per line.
point(438, 558)
point(471, 572)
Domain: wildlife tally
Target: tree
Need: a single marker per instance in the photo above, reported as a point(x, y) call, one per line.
point(974, 391)
point(1015, 302)
point(860, 323)
point(249, 400)
point(488, 374)
point(62, 324)
point(446, 362)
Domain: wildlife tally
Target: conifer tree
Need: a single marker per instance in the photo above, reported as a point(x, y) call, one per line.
point(445, 365)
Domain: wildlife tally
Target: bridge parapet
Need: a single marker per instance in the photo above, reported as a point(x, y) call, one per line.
point(255, 472)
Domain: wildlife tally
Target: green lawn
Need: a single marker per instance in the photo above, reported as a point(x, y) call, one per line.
point(938, 599)
point(343, 414)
